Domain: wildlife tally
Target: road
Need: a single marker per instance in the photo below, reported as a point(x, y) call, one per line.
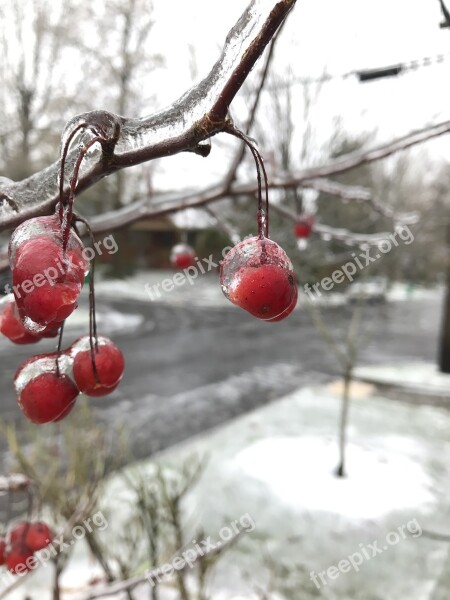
point(190, 368)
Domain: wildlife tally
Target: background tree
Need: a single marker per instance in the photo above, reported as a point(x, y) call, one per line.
point(36, 99)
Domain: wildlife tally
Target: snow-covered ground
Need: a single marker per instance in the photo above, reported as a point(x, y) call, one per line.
point(421, 376)
point(276, 466)
point(108, 319)
point(202, 290)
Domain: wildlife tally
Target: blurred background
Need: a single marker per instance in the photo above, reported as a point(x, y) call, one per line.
point(316, 436)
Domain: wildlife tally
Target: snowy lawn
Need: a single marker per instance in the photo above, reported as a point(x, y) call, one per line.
point(277, 465)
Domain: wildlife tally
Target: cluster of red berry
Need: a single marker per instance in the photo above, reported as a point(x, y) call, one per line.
point(48, 385)
point(21, 543)
point(49, 265)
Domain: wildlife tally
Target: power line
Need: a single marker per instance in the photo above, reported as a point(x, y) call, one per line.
point(365, 75)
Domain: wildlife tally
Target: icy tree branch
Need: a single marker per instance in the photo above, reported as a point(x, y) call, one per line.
point(199, 114)
point(314, 177)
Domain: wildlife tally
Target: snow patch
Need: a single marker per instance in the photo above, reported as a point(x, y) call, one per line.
point(300, 471)
point(108, 320)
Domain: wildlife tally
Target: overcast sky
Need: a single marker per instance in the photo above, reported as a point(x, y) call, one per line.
point(336, 37)
point(325, 34)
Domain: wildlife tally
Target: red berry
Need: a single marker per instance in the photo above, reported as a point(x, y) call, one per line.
point(16, 559)
point(182, 256)
point(265, 292)
point(48, 398)
point(11, 324)
point(51, 304)
point(109, 364)
point(18, 533)
point(303, 228)
point(38, 227)
point(258, 276)
point(46, 280)
point(46, 286)
point(2, 551)
point(38, 536)
point(44, 395)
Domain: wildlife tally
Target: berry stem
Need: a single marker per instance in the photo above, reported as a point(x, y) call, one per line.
point(73, 183)
point(93, 337)
point(64, 152)
point(61, 332)
point(260, 168)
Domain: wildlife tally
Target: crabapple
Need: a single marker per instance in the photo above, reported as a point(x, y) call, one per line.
point(46, 279)
point(258, 276)
point(45, 393)
point(17, 557)
point(182, 256)
point(303, 227)
point(109, 366)
point(18, 533)
point(11, 324)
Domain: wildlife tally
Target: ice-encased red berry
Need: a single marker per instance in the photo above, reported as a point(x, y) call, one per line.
point(46, 279)
point(11, 325)
point(182, 256)
point(109, 366)
point(16, 559)
point(44, 394)
point(18, 533)
point(303, 228)
point(258, 276)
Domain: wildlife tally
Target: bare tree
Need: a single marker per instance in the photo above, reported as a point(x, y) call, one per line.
point(33, 90)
